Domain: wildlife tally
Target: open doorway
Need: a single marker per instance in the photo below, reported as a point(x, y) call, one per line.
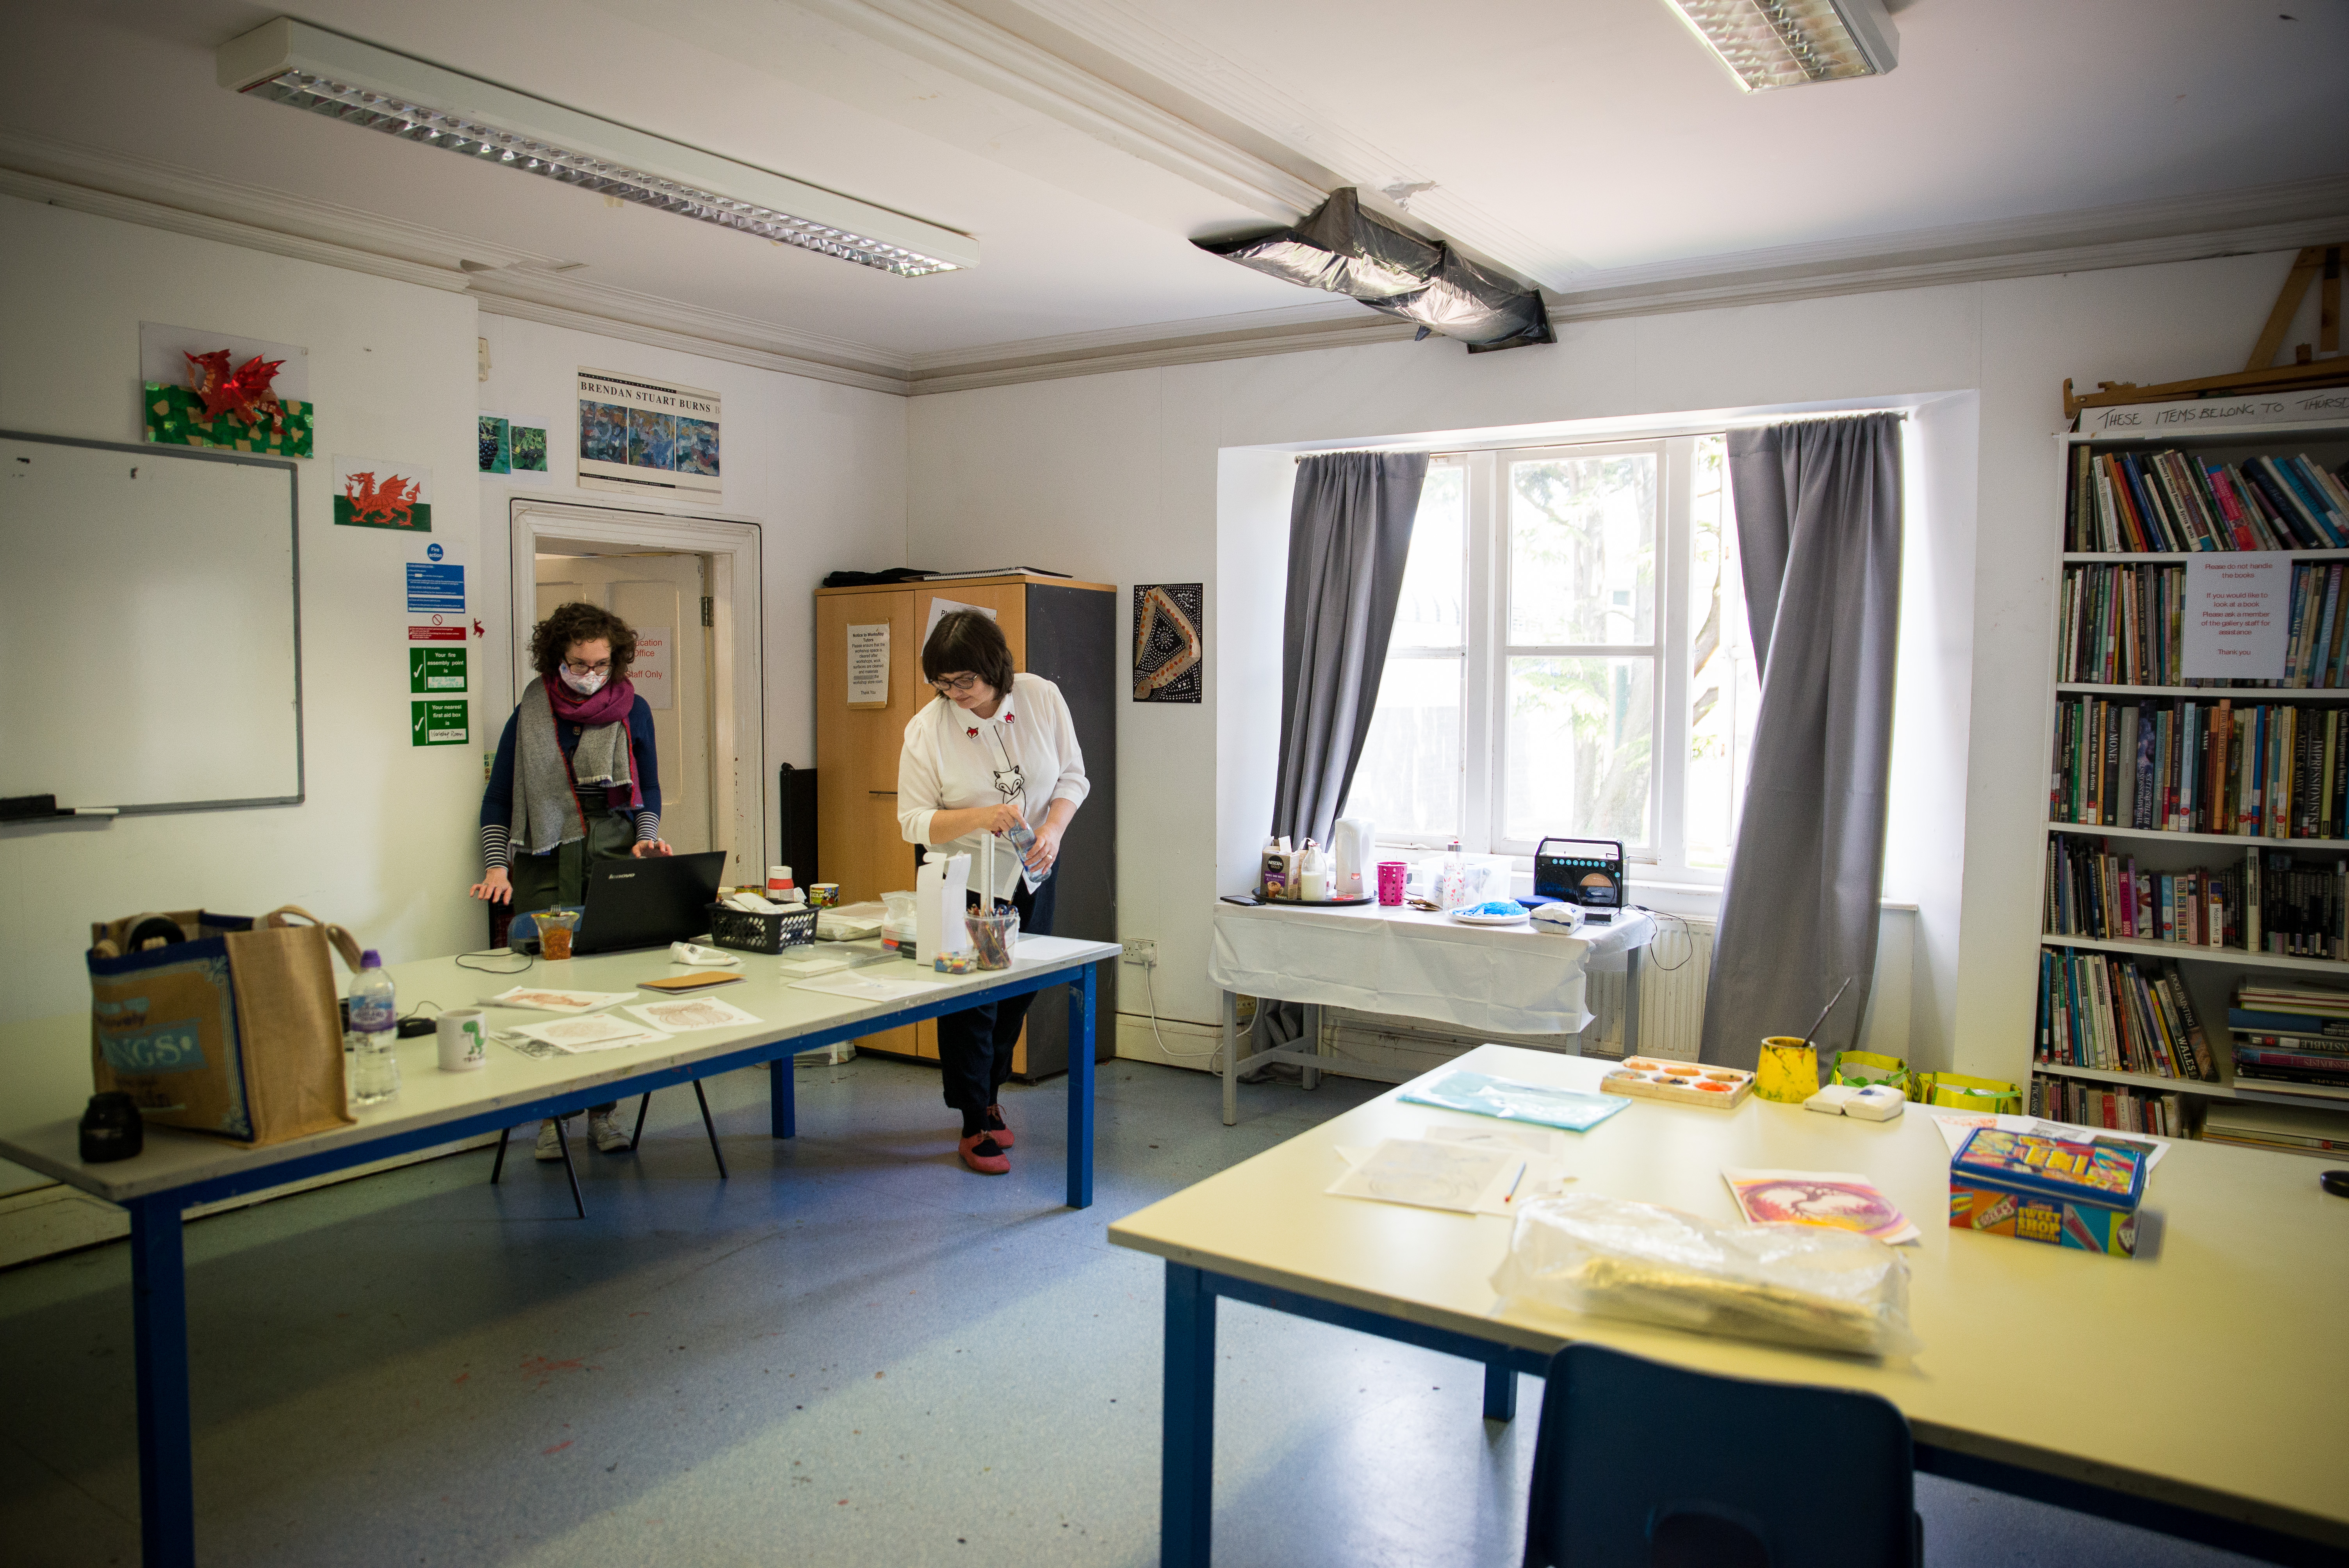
point(659, 595)
point(690, 587)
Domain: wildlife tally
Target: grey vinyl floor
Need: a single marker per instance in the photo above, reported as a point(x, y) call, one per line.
point(852, 1352)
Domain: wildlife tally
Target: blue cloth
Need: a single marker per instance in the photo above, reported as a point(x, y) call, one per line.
point(497, 797)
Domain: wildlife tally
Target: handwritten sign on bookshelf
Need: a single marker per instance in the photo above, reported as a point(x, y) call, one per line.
point(868, 665)
point(2238, 614)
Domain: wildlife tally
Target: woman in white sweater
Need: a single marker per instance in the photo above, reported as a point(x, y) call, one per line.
point(994, 750)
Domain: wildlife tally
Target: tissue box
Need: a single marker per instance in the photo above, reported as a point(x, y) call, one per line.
point(2081, 1195)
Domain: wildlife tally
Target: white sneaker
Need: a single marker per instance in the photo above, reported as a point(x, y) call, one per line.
point(608, 1137)
point(550, 1144)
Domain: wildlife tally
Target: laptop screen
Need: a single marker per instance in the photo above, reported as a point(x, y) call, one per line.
point(649, 903)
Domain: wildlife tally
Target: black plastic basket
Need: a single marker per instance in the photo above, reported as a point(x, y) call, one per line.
point(747, 932)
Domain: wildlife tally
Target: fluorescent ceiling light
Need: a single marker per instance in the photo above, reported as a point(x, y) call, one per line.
point(1771, 43)
point(302, 66)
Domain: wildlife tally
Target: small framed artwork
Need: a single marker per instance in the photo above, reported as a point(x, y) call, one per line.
point(1169, 654)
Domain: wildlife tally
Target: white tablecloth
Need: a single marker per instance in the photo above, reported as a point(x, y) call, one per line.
point(1516, 980)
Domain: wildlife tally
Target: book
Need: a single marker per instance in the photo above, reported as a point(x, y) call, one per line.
point(2261, 1020)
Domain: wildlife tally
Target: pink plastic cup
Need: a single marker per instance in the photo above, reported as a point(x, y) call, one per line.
point(1391, 875)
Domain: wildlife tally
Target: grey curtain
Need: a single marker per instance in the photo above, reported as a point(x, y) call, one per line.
point(1349, 536)
point(1818, 535)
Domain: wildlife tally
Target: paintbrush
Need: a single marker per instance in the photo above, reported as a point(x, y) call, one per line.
point(1828, 1008)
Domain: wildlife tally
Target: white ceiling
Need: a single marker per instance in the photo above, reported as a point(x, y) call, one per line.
point(1587, 145)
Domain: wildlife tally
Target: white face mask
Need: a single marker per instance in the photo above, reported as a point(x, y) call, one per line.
point(587, 685)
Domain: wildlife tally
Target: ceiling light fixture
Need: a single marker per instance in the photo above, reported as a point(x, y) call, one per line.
point(294, 63)
point(1770, 44)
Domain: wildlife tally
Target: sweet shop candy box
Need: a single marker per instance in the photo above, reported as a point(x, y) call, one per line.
point(2050, 1189)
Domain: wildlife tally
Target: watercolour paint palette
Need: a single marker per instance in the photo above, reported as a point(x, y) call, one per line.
point(1682, 1083)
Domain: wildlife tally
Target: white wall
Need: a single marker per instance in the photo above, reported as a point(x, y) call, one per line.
point(386, 842)
point(820, 467)
point(1117, 478)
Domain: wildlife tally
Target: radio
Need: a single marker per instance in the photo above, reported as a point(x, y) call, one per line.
point(1584, 871)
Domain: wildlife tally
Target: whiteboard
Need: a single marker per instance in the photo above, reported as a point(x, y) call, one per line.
point(150, 623)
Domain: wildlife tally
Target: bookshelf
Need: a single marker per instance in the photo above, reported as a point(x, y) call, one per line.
point(2126, 627)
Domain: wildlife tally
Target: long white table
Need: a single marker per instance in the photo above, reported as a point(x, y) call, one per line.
point(2198, 1390)
point(46, 1063)
point(1373, 958)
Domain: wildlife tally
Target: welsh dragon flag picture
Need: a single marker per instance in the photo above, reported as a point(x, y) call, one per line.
point(379, 492)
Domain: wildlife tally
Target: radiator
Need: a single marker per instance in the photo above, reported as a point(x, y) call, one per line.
point(1673, 972)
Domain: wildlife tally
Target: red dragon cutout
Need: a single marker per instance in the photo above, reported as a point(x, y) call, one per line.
point(242, 394)
point(390, 504)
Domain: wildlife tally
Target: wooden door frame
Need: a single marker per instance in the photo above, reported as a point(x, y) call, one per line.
point(738, 804)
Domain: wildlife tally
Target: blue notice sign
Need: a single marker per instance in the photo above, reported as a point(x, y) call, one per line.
point(432, 552)
point(435, 588)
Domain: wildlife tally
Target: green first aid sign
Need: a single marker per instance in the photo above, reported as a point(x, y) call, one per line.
point(436, 669)
point(437, 723)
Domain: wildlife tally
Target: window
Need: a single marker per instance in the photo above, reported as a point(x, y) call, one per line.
point(1570, 657)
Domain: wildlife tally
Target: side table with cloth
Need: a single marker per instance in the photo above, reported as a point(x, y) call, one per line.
point(1375, 959)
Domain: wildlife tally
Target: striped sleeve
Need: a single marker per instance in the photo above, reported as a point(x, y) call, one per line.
point(648, 827)
point(496, 849)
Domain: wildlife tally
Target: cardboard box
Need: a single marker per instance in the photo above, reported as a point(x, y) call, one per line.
point(2079, 1196)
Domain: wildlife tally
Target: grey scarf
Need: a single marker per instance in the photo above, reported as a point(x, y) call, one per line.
point(546, 805)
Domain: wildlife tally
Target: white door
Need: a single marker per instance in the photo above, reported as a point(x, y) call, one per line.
point(659, 596)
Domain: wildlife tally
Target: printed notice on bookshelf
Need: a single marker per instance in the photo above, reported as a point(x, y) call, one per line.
point(2323, 405)
point(2236, 615)
point(868, 665)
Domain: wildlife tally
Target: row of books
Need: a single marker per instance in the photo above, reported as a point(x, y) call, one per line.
point(2123, 626)
point(2292, 1128)
point(2174, 500)
point(2291, 1038)
point(2106, 1105)
point(2294, 908)
point(2181, 765)
point(2101, 1010)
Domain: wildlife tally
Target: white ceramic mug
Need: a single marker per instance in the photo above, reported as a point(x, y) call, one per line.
point(464, 1035)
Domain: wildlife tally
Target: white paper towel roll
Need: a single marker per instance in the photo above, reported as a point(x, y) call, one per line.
point(1355, 849)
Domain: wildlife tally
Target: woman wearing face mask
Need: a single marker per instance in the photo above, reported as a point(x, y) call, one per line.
point(576, 781)
point(993, 752)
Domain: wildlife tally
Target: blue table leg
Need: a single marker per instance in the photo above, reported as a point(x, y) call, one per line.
point(1081, 998)
point(159, 1315)
point(783, 1102)
point(1187, 1474)
point(1500, 1392)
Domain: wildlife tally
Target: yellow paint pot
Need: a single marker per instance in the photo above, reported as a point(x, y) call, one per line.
point(1789, 1070)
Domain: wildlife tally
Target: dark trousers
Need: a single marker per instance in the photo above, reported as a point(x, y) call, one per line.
point(975, 1045)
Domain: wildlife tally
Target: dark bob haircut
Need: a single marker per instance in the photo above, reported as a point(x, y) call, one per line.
point(965, 642)
point(579, 622)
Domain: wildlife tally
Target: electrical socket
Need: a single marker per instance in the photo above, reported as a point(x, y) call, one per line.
point(1142, 950)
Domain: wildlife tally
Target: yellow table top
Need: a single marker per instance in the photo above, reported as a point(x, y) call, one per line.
point(2205, 1373)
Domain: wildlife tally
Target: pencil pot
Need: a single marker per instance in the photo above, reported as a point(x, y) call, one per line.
point(1789, 1070)
point(1861, 1069)
point(994, 936)
point(748, 932)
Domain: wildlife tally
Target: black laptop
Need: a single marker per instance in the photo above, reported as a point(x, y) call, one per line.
point(647, 903)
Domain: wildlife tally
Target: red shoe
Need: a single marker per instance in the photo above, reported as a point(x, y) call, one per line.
point(983, 1154)
point(991, 1122)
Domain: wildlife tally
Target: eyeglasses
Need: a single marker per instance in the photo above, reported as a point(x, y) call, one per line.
point(600, 667)
point(955, 686)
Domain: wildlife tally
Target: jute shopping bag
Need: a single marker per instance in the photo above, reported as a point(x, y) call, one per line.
point(232, 1029)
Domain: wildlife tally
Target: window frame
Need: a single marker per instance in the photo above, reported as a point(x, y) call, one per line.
point(1484, 658)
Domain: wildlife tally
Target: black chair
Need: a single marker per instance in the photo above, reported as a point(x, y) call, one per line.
point(1641, 1465)
point(562, 1141)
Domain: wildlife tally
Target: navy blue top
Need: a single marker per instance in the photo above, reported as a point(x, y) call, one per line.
point(497, 796)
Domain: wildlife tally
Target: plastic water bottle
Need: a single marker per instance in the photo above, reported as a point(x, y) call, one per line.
point(367, 1054)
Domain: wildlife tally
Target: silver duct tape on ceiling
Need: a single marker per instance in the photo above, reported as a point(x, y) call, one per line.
point(1341, 248)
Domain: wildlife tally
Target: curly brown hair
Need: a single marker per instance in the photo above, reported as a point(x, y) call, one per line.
point(579, 622)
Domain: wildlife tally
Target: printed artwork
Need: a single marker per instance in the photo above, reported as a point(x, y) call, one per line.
point(527, 447)
point(640, 436)
point(237, 393)
point(1836, 1199)
point(1169, 655)
point(382, 492)
point(496, 456)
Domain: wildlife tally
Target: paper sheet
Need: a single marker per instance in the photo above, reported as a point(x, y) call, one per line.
point(555, 999)
point(606, 1033)
point(1533, 1175)
point(1840, 1199)
point(680, 1014)
point(1427, 1174)
point(1510, 1100)
point(865, 990)
point(1953, 1129)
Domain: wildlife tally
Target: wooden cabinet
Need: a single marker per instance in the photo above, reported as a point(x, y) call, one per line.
point(1065, 631)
